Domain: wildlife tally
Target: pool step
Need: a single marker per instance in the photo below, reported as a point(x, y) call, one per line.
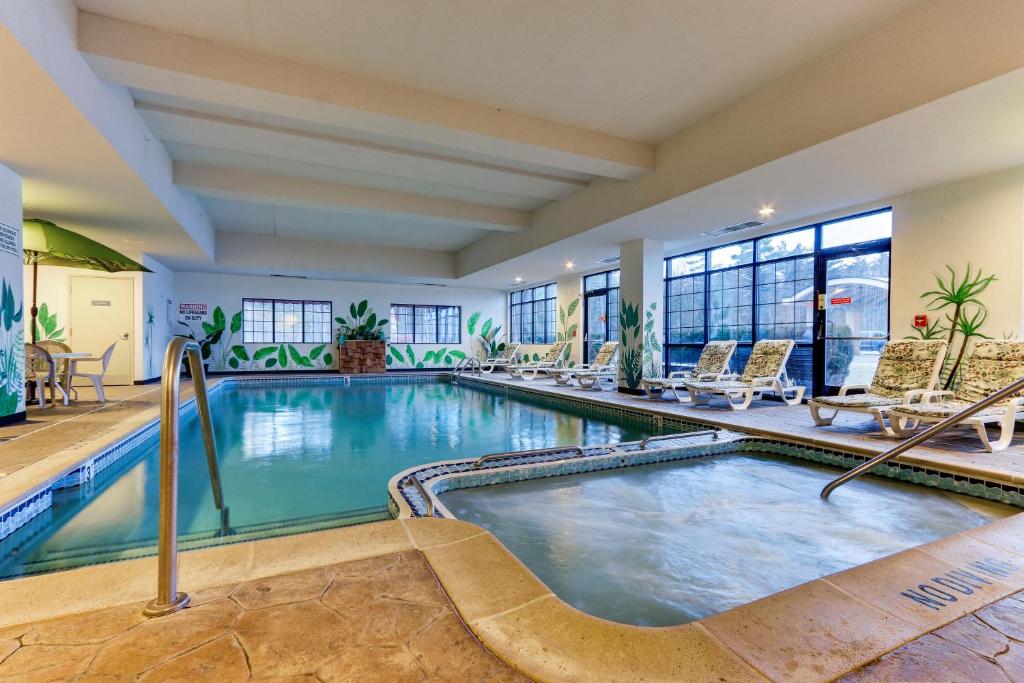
point(83, 556)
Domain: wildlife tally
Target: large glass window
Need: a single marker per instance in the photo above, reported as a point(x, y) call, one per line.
point(533, 315)
point(276, 321)
point(601, 310)
point(765, 289)
point(425, 324)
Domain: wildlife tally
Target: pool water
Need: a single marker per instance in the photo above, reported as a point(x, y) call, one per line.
point(665, 544)
point(292, 458)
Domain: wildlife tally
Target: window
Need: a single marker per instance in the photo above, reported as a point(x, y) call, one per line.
point(533, 315)
point(425, 324)
point(601, 311)
point(864, 228)
point(276, 321)
point(764, 289)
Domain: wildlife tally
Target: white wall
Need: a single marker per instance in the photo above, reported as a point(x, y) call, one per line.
point(227, 292)
point(154, 321)
point(13, 312)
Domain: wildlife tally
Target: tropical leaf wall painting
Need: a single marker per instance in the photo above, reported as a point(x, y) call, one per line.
point(631, 365)
point(47, 327)
point(12, 353)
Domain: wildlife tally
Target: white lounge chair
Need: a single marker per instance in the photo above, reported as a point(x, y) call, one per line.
point(604, 356)
point(504, 359)
point(95, 377)
point(552, 360)
point(603, 373)
point(765, 372)
point(992, 365)
point(712, 365)
point(906, 370)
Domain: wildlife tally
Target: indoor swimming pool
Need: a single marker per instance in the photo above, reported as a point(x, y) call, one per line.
point(668, 543)
point(293, 457)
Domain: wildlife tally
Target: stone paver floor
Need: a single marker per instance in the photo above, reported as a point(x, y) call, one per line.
point(987, 645)
point(381, 619)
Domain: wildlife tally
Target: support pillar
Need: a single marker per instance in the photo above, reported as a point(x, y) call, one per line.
point(641, 320)
point(12, 301)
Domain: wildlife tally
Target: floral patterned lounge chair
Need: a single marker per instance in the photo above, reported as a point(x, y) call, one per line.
point(603, 373)
point(504, 359)
point(552, 360)
point(711, 366)
point(906, 370)
point(765, 373)
point(607, 354)
point(992, 365)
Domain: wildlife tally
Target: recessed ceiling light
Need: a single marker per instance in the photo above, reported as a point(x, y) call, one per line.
point(569, 265)
point(519, 279)
point(766, 211)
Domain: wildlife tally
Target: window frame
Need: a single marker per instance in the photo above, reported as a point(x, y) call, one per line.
point(549, 304)
point(816, 254)
point(437, 323)
point(302, 321)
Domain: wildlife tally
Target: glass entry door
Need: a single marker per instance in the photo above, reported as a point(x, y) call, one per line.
point(600, 311)
point(853, 316)
point(597, 326)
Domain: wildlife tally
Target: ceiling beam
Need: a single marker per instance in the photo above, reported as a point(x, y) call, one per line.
point(284, 190)
point(218, 132)
point(146, 58)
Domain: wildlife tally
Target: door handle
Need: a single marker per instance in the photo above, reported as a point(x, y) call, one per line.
point(124, 335)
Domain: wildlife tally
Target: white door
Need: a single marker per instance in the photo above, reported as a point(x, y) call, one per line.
point(102, 309)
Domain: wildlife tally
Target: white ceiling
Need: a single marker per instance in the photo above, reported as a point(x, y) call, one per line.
point(671, 62)
point(334, 226)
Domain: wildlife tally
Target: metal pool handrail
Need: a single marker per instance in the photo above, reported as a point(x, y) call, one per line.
point(418, 485)
point(578, 450)
point(465, 363)
point(680, 435)
point(168, 600)
point(918, 439)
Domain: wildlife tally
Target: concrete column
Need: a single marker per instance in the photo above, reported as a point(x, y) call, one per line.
point(641, 321)
point(13, 309)
point(570, 314)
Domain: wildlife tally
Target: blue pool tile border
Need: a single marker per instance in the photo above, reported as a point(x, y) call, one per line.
point(438, 478)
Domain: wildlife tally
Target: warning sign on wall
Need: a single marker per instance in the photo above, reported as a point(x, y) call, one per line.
point(9, 241)
point(842, 300)
point(190, 312)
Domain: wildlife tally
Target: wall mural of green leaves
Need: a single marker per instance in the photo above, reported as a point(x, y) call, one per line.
point(488, 342)
point(652, 363)
point(47, 327)
point(225, 354)
point(631, 338)
point(569, 328)
point(12, 354)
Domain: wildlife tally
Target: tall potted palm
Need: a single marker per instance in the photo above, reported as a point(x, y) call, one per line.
point(361, 346)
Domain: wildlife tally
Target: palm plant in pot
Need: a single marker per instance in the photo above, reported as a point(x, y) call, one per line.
point(361, 346)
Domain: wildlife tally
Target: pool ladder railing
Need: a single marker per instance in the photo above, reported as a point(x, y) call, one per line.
point(713, 433)
point(471, 362)
point(1006, 392)
point(168, 600)
point(578, 450)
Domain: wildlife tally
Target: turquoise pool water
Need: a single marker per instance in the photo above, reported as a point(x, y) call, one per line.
point(292, 458)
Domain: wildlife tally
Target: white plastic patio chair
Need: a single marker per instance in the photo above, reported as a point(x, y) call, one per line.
point(907, 369)
point(95, 377)
point(712, 365)
point(40, 369)
point(765, 372)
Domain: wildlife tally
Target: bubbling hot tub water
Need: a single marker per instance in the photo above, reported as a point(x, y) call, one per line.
point(669, 543)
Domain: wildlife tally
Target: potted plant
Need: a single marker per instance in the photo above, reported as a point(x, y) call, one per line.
point(361, 346)
point(206, 342)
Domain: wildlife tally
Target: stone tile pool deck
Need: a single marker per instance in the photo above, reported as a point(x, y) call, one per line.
point(949, 610)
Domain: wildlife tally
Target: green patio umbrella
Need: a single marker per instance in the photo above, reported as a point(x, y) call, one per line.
point(48, 244)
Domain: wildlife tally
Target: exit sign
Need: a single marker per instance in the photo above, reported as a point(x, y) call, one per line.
point(842, 300)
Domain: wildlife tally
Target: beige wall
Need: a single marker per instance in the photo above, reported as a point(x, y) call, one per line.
point(978, 221)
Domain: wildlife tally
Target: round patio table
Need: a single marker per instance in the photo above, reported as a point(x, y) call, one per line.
point(65, 384)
